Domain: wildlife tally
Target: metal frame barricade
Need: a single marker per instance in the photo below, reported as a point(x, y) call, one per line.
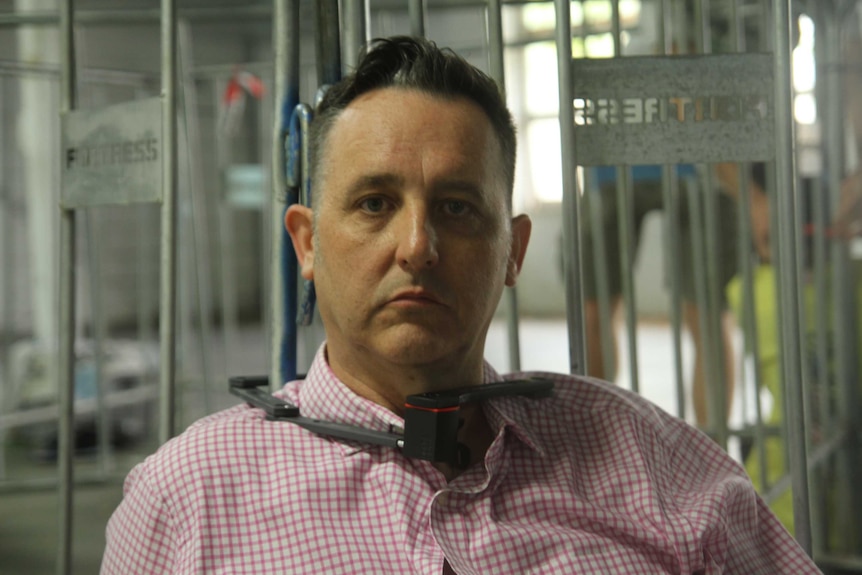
point(592, 139)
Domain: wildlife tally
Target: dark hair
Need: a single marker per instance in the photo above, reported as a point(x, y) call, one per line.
point(408, 62)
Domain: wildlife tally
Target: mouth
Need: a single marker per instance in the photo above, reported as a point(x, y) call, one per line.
point(415, 297)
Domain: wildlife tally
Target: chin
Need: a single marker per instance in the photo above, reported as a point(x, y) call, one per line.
point(417, 347)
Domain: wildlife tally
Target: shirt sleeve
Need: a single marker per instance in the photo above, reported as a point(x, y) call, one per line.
point(140, 537)
point(714, 496)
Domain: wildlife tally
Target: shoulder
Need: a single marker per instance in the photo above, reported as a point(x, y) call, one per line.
point(586, 401)
point(232, 451)
point(595, 418)
point(595, 425)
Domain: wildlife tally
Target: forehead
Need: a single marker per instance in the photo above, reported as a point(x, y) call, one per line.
point(408, 125)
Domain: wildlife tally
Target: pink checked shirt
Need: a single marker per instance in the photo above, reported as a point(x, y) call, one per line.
point(595, 480)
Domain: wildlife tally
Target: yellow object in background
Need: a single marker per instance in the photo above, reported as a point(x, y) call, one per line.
point(766, 307)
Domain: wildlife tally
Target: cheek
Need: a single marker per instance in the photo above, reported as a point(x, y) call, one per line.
point(482, 272)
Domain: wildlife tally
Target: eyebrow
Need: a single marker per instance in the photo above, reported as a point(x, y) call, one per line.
point(462, 186)
point(375, 182)
point(384, 181)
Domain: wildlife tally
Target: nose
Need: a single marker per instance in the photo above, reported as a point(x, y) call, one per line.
point(417, 240)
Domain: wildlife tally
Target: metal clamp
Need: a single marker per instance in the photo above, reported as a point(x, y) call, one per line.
point(431, 419)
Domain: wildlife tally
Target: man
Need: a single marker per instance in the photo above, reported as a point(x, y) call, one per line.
point(410, 242)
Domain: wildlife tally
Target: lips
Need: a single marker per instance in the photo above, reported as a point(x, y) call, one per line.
point(415, 296)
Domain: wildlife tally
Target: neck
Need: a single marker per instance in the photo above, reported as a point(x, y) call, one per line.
point(389, 385)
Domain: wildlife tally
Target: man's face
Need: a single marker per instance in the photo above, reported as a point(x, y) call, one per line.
point(413, 240)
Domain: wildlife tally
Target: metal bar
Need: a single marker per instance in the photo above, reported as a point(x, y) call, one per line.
point(736, 27)
point(703, 36)
point(625, 211)
point(212, 14)
point(833, 152)
point(7, 256)
point(850, 564)
point(696, 218)
point(134, 16)
point(144, 230)
point(84, 406)
point(821, 371)
point(749, 313)
point(355, 31)
point(95, 279)
point(671, 232)
point(819, 456)
point(767, 44)
point(227, 242)
point(299, 191)
point(607, 335)
point(85, 75)
point(709, 320)
point(281, 43)
point(844, 292)
point(571, 239)
point(788, 227)
point(716, 378)
point(670, 196)
point(125, 77)
point(37, 484)
point(496, 50)
point(416, 10)
point(4, 342)
point(616, 29)
point(328, 42)
point(496, 46)
point(66, 365)
point(820, 217)
point(167, 312)
point(286, 96)
point(200, 235)
point(816, 525)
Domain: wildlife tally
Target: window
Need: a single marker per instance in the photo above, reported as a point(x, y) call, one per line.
point(532, 26)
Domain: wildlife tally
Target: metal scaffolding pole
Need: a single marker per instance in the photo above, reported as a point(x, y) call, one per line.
point(786, 200)
point(626, 218)
point(416, 9)
point(147, 16)
point(671, 231)
point(496, 49)
point(355, 31)
point(199, 216)
point(571, 239)
point(285, 39)
point(328, 42)
point(167, 312)
point(66, 367)
point(607, 337)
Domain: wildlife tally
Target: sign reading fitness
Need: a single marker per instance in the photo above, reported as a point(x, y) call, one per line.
point(112, 155)
point(671, 110)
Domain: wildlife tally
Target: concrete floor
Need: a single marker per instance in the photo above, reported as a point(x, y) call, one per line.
point(28, 529)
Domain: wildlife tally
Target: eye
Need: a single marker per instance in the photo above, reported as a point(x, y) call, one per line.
point(373, 204)
point(456, 207)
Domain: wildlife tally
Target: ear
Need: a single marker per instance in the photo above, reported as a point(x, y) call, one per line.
point(521, 228)
point(298, 220)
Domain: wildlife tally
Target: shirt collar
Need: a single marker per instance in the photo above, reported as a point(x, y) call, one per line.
point(323, 396)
